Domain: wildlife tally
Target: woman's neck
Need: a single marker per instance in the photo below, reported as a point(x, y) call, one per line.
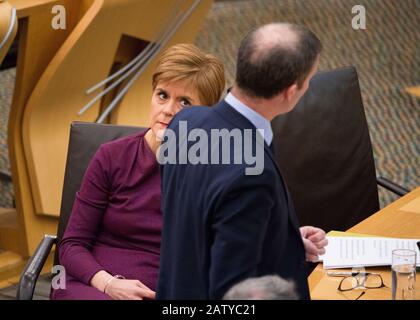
point(152, 140)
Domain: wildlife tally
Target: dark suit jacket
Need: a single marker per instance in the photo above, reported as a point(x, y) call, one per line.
point(222, 226)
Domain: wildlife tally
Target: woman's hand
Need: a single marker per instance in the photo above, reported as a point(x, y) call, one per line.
point(121, 289)
point(124, 289)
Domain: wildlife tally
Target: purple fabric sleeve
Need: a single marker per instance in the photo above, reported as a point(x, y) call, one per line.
point(85, 221)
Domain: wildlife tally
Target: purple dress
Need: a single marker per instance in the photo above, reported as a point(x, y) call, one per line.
point(116, 220)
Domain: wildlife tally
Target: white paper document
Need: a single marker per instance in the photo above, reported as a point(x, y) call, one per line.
point(348, 252)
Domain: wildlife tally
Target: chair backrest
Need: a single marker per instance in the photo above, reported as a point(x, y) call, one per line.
point(85, 139)
point(324, 150)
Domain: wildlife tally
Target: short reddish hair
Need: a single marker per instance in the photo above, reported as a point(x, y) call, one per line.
point(187, 63)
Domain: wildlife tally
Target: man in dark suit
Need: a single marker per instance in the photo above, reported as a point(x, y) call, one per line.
point(225, 221)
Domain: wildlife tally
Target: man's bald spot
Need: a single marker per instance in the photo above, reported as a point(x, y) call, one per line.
point(274, 35)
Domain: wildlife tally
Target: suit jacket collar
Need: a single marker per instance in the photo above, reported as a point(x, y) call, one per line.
point(230, 114)
point(238, 120)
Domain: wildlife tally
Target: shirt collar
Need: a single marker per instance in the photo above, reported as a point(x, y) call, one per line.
point(261, 123)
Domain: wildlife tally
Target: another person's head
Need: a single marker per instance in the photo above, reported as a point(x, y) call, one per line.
point(276, 62)
point(263, 288)
point(184, 76)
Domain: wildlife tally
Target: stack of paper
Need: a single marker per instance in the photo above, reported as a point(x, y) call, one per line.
point(348, 252)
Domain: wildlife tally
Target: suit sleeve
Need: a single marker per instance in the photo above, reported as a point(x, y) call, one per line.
point(239, 225)
point(86, 217)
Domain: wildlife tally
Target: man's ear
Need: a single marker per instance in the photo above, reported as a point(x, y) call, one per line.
point(290, 92)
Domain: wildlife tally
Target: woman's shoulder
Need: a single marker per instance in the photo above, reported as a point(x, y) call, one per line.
point(123, 144)
point(115, 155)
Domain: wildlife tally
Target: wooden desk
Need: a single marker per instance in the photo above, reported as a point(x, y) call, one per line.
point(400, 219)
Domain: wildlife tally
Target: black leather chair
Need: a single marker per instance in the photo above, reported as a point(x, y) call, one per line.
point(324, 150)
point(85, 139)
